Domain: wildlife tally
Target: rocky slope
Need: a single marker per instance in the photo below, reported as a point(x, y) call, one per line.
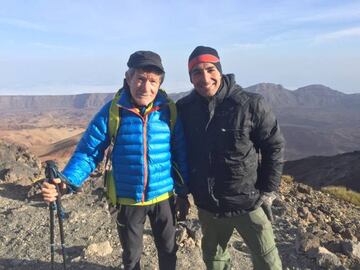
point(313, 231)
point(319, 171)
point(17, 162)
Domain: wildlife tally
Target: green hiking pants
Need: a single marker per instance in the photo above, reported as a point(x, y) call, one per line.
point(254, 227)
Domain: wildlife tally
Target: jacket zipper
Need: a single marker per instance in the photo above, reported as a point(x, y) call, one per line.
point(145, 155)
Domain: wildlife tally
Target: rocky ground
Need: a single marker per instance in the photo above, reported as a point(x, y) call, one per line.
point(17, 162)
point(313, 231)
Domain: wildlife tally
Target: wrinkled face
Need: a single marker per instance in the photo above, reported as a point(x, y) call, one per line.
point(144, 86)
point(206, 79)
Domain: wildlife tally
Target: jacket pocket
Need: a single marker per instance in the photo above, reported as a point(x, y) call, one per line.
point(234, 140)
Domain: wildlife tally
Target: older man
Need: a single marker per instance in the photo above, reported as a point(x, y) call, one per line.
point(144, 147)
point(226, 131)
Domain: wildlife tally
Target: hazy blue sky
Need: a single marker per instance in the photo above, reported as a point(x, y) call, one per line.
point(77, 46)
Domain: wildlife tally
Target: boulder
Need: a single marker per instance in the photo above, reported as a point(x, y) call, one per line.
point(101, 249)
point(17, 163)
point(327, 259)
point(306, 242)
point(351, 248)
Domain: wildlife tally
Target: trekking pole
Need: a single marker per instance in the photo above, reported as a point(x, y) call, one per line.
point(52, 235)
point(60, 213)
point(51, 173)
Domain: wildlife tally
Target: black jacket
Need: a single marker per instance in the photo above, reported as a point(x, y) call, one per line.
point(225, 135)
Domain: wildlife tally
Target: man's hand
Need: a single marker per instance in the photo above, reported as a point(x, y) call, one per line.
point(265, 201)
point(49, 192)
point(182, 206)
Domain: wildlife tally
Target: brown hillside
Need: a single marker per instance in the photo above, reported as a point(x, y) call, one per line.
point(319, 171)
point(60, 151)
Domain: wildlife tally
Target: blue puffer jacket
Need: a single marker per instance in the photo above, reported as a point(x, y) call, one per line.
point(142, 151)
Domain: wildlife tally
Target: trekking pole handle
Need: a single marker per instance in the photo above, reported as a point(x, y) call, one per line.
point(50, 170)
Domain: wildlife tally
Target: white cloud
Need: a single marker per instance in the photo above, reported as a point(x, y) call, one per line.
point(23, 24)
point(345, 33)
point(51, 46)
point(330, 15)
point(249, 45)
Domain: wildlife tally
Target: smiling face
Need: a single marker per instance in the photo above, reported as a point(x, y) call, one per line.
point(206, 79)
point(144, 85)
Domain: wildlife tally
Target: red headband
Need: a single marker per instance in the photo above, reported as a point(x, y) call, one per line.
point(203, 58)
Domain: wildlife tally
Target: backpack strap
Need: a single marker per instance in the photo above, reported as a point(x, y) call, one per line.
point(114, 117)
point(113, 126)
point(173, 115)
point(173, 111)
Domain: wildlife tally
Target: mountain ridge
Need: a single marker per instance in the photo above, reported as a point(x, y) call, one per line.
point(315, 119)
point(315, 95)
